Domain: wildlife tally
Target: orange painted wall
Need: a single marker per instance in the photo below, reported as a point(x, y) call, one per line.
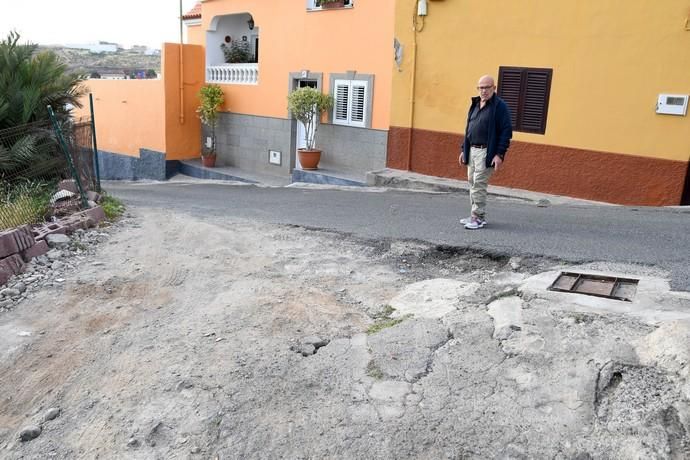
point(195, 34)
point(129, 115)
point(135, 114)
point(182, 134)
point(327, 41)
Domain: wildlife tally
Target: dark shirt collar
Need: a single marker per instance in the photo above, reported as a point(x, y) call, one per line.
point(477, 99)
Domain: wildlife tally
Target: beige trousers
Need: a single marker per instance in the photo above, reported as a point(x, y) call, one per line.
point(478, 177)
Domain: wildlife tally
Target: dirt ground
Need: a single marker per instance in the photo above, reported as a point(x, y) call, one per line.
point(195, 339)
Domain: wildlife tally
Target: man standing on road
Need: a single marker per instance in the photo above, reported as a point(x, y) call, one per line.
point(487, 137)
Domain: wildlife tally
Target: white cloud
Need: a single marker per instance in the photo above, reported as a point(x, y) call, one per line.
point(127, 22)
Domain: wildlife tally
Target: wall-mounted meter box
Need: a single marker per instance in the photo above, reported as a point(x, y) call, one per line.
point(672, 104)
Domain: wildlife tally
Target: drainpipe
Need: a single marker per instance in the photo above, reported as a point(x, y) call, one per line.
point(419, 10)
point(181, 72)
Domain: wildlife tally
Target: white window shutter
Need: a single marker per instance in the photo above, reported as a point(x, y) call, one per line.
point(358, 104)
point(342, 99)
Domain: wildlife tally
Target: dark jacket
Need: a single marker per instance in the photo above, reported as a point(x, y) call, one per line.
point(500, 130)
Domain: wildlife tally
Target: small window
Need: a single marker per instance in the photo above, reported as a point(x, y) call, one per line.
point(526, 91)
point(351, 102)
point(316, 4)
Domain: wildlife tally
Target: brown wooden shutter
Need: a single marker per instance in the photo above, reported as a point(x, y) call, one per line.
point(526, 91)
point(509, 88)
point(536, 102)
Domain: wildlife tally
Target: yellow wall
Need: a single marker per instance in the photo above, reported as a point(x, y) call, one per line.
point(292, 39)
point(129, 115)
point(610, 60)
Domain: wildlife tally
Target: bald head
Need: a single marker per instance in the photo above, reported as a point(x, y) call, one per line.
point(486, 87)
point(486, 80)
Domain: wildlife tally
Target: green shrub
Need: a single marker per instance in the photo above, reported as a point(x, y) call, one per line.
point(237, 52)
point(307, 105)
point(112, 207)
point(211, 98)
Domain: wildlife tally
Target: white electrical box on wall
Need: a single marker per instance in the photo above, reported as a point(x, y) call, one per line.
point(672, 104)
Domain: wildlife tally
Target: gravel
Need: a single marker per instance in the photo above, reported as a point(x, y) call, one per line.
point(52, 269)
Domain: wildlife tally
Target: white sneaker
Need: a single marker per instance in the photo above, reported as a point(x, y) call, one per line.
point(475, 223)
point(466, 220)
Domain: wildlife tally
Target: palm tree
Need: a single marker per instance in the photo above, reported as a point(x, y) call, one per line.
point(30, 81)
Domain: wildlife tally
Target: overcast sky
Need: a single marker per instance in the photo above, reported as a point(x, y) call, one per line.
point(127, 22)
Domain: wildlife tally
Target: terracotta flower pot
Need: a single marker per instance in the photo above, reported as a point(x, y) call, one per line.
point(208, 161)
point(309, 159)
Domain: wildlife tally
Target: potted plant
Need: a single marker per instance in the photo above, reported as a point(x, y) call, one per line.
point(237, 53)
point(326, 4)
point(307, 105)
point(211, 98)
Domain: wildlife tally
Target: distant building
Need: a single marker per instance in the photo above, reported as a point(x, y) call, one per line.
point(141, 49)
point(95, 47)
point(112, 76)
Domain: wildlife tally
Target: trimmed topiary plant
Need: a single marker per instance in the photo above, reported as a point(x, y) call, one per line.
point(211, 98)
point(307, 105)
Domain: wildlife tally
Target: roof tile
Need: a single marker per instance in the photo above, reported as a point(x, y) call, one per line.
point(194, 13)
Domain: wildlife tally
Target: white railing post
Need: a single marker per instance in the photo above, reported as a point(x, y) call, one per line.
point(233, 74)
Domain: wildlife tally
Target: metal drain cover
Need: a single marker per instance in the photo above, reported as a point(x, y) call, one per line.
point(609, 287)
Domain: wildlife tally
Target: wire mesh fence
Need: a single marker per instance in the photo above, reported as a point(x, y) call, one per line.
point(34, 160)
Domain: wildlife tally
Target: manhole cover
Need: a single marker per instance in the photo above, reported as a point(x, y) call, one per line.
point(609, 287)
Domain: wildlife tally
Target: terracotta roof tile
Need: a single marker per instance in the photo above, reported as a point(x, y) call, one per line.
point(194, 13)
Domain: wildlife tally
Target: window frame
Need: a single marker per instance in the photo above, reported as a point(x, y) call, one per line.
point(350, 79)
point(313, 5)
point(519, 98)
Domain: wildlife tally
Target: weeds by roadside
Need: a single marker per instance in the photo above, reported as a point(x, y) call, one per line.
point(374, 371)
point(383, 320)
point(112, 207)
point(24, 203)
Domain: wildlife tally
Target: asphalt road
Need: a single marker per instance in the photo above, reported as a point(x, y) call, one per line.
point(573, 233)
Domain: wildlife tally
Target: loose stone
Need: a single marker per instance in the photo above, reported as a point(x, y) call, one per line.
point(30, 432)
point(51, 413)
point(8, 292)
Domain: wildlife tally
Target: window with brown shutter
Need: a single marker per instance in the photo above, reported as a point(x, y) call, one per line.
point(526, 91)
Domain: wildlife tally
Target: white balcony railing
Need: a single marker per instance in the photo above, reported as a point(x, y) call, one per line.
point(233, 74)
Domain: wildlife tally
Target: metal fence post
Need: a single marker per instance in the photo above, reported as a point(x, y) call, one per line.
point(95, 146)
point(63, 145)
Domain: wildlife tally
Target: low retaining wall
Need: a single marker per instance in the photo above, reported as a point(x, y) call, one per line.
point(149, 165)
point(19, 245)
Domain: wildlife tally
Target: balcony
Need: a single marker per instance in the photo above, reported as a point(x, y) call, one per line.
point(233, 74)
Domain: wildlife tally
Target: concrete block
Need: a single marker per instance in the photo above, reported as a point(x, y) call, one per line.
point(10, 266)
point(96, 214)
point(15, 240)
point(41, 231)
point(38, 249)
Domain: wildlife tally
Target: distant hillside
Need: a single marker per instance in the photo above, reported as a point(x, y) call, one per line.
point(85, 62)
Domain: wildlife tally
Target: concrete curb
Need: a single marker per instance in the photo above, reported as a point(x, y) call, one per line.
point(394, 178)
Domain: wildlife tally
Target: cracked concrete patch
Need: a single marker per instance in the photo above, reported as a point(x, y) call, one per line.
point(389, 397)
point(669, 348)
point(432, 298)
point(405, 351)
point(507, 315)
